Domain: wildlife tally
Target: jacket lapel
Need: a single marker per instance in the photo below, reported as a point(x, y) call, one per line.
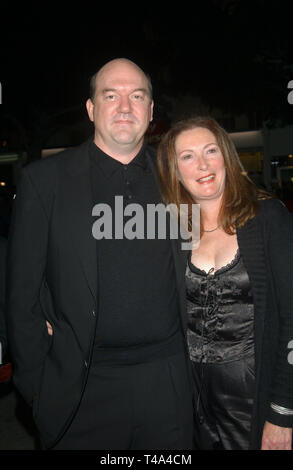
point(252, 251)
point(180, 260)
point(79, 218)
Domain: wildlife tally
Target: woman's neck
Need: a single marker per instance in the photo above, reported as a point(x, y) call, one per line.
point(209, 211)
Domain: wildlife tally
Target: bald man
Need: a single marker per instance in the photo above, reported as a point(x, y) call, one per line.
point(96, 318)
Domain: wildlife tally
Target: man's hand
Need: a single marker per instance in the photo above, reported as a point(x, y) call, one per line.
point(276, 438)
point(50, 329)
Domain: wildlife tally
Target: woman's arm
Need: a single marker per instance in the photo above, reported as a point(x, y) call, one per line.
point(276, 438)
point(279, 233)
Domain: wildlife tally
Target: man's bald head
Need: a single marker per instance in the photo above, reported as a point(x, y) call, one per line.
point(121, 108)
point(112, 64)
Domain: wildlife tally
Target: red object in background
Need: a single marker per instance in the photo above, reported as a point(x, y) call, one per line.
point(289, 204)
point(5, 372)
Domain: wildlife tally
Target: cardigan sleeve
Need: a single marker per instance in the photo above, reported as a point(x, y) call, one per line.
point(279, 251)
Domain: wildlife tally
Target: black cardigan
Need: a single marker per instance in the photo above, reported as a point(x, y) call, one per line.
point(266, 246)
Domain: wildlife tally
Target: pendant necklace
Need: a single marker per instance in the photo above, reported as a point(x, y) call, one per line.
point(213, 230)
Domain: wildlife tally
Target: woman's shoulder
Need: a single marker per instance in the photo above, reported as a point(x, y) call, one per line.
point(272, 206)
point(270, 212)
point(274, 215)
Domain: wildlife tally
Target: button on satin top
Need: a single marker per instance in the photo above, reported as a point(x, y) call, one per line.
point(220, 313)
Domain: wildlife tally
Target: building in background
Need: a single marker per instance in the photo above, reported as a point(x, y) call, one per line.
point(266, 153)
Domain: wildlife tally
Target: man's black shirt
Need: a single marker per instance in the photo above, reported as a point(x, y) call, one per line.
point(137, 296)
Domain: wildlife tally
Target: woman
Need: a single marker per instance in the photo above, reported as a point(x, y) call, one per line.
point(239, 292)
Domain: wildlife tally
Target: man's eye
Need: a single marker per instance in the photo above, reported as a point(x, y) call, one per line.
point(110, 97)
point(137, 97)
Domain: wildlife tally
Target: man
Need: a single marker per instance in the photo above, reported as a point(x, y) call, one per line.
point(112, 372)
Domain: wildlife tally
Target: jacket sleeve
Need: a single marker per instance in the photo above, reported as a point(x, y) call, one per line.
point(280, 254)
point(26, 262)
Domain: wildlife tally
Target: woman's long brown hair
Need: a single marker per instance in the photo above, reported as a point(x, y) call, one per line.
point(241, 195)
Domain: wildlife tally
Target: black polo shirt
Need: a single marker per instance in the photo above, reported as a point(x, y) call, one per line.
point(137, 294)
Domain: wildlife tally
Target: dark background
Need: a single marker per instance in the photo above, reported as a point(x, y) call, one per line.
point(230, 55)
point(233, 54)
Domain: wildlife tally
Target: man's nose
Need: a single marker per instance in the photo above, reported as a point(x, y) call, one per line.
point(125, 105)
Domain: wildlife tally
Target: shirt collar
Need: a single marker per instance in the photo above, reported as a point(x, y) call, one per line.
point(109, 165)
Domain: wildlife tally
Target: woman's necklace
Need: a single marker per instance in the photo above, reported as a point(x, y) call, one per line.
point(213, 230)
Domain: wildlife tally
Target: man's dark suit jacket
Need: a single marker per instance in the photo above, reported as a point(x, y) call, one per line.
point(53, 276)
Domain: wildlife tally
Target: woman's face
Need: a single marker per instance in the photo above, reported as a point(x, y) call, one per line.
point(200, 164)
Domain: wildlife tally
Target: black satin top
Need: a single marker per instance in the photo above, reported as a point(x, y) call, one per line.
point(220, 313)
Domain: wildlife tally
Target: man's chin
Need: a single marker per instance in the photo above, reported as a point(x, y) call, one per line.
point(125, 139)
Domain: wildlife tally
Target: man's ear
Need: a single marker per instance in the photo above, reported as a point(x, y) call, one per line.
point(152, 110)
point(90, 109)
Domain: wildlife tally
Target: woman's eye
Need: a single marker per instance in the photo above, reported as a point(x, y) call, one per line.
point(212, 150)
point(186, 157)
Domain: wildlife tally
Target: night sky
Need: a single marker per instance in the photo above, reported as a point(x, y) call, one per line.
point(236, 55)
